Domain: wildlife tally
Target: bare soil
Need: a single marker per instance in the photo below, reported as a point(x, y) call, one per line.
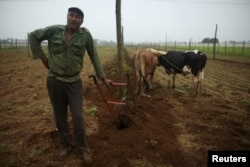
point(172, 128)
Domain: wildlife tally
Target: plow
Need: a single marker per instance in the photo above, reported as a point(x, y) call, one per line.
point(121, 118)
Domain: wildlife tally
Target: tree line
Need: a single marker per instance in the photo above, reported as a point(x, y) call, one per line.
point(210, 40)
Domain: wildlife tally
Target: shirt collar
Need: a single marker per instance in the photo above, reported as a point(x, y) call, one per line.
point(78, 31)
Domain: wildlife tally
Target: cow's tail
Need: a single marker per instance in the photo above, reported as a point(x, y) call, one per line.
point(204, 61)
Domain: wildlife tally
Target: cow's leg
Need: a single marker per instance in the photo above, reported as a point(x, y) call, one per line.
point(144, 77)
point(174, 76)
point(144, 82)
point(201, 79)
point(196, 84)
point(200, 85)
point(141, 85)
point(138, 82)
point(151, 79)
point(169, 80)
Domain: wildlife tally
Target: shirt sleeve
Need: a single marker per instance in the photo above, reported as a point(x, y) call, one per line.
point(92, 52)
point(35, 39)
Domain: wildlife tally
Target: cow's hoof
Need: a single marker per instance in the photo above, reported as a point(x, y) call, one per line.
point(145, 95)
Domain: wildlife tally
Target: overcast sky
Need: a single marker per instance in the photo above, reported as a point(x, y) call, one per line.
point(143, 20)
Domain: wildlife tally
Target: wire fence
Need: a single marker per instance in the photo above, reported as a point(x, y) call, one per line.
point(230, 51)
point(223, 50)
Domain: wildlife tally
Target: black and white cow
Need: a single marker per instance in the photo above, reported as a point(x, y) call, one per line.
point(178, 62)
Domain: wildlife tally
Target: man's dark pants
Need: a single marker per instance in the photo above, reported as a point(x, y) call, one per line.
point(64, 94)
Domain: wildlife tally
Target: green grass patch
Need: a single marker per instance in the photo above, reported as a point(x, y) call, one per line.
point(221, 50)
point(91, 111)
point(109, 53)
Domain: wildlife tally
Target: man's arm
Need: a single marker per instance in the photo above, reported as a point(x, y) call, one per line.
point(35, 39)
point(44, 59)
point(35, 44)
point(94, 57)
point(91, 49)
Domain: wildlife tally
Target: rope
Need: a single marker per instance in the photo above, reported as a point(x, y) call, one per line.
point(171, 65)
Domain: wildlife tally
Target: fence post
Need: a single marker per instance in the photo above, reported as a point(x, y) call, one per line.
point(16, 46)
point(189, 44)
point(166, 42)
point(215, 37)
point(243, 47)
point(233, 47)
point(225, 47)
point(218, 48)
point(28, 44)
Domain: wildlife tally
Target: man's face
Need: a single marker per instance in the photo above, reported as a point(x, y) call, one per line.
point(74, 20)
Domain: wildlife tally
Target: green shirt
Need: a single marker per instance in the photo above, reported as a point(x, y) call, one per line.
point(65, 59)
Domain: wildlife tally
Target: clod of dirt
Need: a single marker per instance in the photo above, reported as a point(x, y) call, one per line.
point(124, 121)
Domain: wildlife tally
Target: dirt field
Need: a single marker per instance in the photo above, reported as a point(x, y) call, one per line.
point(170, 129)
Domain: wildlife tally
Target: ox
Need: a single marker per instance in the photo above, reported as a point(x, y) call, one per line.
point(145, 62)
point(180, 62)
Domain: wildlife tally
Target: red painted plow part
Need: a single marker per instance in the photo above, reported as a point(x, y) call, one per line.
point(109, 102)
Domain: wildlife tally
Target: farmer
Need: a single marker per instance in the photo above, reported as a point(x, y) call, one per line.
point(66, 48)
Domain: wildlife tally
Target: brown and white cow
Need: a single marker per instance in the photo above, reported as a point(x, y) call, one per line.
point(145, 62)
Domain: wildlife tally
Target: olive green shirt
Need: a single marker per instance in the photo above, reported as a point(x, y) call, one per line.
point(65, 59)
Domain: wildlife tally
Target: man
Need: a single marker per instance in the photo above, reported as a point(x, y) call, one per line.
point(66, 48)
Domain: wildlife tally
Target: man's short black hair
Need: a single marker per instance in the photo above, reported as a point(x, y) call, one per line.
point(77, 10)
